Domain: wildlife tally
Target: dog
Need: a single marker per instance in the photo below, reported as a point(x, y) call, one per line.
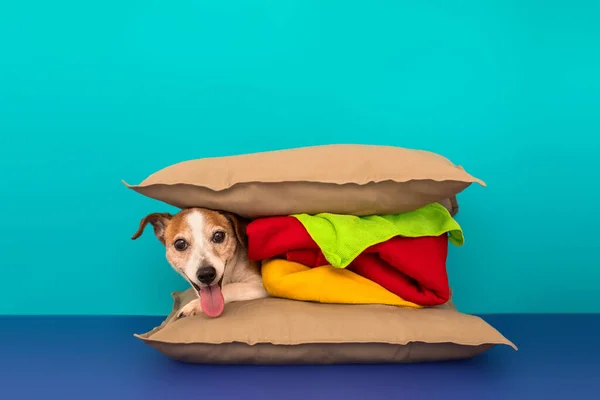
point(209, 249)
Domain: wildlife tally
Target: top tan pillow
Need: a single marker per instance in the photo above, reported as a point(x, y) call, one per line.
point(342, 179)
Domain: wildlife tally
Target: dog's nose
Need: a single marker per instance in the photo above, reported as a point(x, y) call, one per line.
point(206, 274)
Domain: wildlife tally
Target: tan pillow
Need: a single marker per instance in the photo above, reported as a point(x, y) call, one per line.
point(342, 179)
point(278, 331)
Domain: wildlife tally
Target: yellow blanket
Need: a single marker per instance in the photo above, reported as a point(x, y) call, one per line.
point(326, 284)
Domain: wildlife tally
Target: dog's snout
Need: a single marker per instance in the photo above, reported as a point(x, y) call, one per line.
point(206, 275)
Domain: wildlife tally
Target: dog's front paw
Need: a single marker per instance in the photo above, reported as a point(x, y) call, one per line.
point(192, 308)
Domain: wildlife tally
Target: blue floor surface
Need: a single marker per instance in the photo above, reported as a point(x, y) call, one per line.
point(98, 358)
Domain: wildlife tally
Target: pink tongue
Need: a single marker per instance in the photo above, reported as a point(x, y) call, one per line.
point(212, 301)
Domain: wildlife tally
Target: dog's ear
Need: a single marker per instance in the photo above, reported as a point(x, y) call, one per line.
point(158, 221)
point(239, 225)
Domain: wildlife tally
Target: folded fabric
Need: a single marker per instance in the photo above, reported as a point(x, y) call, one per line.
point(325, 284)
point(412, 268)
point(342, 238)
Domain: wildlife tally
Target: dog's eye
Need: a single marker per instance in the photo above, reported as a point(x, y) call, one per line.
point(180, 245)
point(218, 237)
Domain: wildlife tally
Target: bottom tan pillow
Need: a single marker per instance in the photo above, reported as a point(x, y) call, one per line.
point(278, 331)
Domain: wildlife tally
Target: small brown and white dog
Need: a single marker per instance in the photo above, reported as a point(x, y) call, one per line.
point(209, 249)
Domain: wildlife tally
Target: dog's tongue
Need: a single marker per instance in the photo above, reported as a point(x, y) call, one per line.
point(212, 301)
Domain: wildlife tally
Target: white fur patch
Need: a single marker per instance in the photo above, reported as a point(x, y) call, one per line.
point(200, 249)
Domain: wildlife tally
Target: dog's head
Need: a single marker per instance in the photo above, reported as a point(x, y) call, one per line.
point(200, 243)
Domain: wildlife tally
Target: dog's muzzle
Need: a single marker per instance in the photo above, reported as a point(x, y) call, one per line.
point(209, 291)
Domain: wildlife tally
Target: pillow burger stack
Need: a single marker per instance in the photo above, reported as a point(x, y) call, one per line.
point(353, 242)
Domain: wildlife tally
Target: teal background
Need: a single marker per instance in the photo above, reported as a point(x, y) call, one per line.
point(95, 92)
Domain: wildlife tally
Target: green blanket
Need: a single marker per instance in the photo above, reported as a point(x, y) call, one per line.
point(343, 237)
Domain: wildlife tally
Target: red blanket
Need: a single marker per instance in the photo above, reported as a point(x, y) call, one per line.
point(412, 268)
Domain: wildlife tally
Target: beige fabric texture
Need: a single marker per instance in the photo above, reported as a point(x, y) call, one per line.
point(342, 179)
point(279, 331)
